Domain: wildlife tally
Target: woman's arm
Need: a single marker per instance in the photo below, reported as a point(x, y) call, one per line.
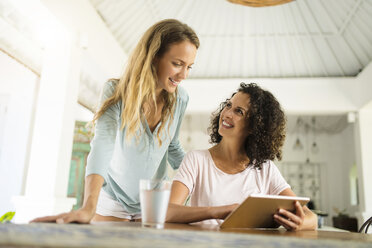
point(175, 150)
point(302, 219)
point(93, 184)
point(179, 213)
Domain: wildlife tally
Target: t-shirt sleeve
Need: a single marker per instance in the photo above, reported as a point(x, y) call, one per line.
point(102, 145)
point(187, 172)
point(277, 183)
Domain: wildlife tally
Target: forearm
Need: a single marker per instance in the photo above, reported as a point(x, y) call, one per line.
point(185, 214)
point(93, 185)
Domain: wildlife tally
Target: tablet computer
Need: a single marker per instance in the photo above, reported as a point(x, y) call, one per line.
point(257, 211)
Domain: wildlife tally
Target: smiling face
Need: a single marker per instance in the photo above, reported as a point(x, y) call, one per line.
point(233, 120)
point(174, 65)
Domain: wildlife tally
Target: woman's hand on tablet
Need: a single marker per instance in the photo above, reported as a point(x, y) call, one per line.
point(223, 211)
point(302, 219)
point(291, 221)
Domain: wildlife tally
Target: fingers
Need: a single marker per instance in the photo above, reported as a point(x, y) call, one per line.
point(290, 216)
point(43, 219)
point(61, 220)
point(282, 224)
point(299, 210)
point(80, 216)
point(222, 212)
point(290, 220)
point(51, 218)
point(234, 206)
point(287, 223)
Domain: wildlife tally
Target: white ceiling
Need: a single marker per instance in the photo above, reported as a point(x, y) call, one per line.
point(305, 38)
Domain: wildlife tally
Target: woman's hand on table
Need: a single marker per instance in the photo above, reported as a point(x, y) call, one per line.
point(291, 221)
point(81, 215)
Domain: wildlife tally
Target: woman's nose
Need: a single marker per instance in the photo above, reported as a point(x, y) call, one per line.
point(183, 73)
point(228, 113)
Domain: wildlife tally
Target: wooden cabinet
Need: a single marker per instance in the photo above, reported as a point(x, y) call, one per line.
point(345, 222)
point(80, 151)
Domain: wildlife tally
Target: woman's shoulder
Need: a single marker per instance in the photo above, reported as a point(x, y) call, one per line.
point(269, 167)
point(196, 159)
point(110, 85)
point(197, 154)
point(109, 88)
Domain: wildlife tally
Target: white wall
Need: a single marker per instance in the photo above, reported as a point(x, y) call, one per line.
point(194, 135)
point(363, 137)
point(18, 87)
point(297, 96)
point(102, 57)
point(100, 44)
point(365, 85)
point(348, 156)
point(336, 156)
point(83, 114)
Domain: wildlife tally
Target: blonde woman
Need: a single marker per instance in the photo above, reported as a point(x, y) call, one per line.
point(137, 125)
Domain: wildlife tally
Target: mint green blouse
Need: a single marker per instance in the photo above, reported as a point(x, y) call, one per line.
point(122, 163)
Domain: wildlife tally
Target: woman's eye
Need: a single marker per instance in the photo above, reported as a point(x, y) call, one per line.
point(239, 112)
point(177, 64)
point(189, 67)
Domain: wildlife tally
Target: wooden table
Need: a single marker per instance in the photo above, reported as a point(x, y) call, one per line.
point(130, 234)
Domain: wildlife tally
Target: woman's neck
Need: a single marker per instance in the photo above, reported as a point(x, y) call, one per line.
point(229, 156)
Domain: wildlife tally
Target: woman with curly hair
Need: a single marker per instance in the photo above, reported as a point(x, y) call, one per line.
point(248, 131)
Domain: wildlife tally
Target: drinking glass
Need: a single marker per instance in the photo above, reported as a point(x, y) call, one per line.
point(154, 198)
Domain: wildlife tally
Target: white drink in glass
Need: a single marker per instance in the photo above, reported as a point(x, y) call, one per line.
point(154, 198)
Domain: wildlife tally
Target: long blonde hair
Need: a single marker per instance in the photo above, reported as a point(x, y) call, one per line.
point(138, 83)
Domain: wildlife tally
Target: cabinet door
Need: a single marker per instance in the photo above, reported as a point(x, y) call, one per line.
point(80, 151)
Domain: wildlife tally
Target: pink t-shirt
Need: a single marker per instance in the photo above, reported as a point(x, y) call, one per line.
point(209, 186)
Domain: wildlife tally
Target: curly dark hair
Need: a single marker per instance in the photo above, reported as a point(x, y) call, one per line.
point(266, 123)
